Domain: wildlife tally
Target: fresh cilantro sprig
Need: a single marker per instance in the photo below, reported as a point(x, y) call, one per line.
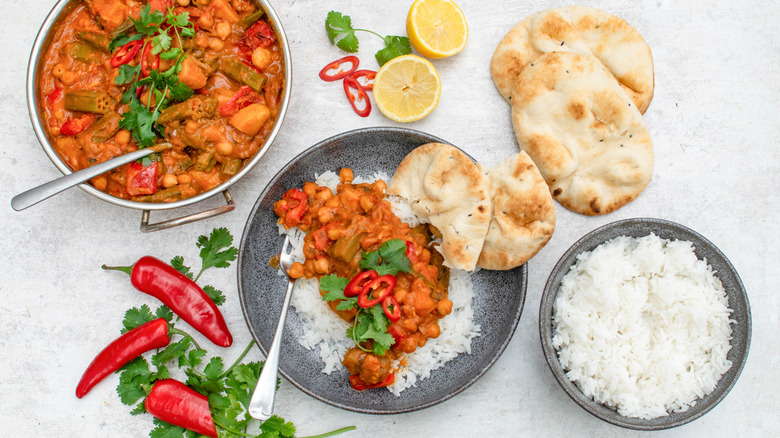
point(216, 251)
point(342, 34)
point(154, 28)
point(369, 324)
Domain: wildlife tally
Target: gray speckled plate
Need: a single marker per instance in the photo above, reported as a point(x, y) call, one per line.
point(498, 298)
point(704, 249)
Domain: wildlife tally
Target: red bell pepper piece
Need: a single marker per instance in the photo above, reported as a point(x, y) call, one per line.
point(244, 97)
point(54, 96)
point(160, 5)
point(411, 251)
point(360, 95)
point(146, 64)
point(141, 180)
point(78, 125)
point(260, 34)
point(357, 384)
point(295, 206)
point(359, 282)
point(384, 284)
point(182, 295)
point(126, 53)
point(338, 65)
point(396, 332)
point(320, 239)
point(391, 308)
point(146, 337)
point(369, 75)
point(174, 402)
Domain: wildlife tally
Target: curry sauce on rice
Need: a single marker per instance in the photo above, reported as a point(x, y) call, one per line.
point(380, 281)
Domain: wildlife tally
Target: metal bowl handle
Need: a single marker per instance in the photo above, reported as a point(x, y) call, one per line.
point(148, 228)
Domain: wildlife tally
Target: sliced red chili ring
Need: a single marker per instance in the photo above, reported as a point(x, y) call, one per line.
point(358, 282)
point(338, 65)
point(384, 284)
point(126, 53)
point(145, 65)
point(395, 313)
point(369, 75)
point(362, 96)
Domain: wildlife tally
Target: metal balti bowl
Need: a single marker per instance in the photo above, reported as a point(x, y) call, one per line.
point(34, 99)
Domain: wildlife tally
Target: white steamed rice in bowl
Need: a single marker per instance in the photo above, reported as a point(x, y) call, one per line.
point(642, 326)
point(324, 330)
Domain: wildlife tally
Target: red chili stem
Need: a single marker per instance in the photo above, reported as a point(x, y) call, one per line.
point(182, 295)
point(173, 402)
point(146, 337)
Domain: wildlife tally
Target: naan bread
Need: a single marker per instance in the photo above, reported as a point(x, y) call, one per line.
point(523, 214)
point(584, 133)
point(583, 30)
point(443, 185)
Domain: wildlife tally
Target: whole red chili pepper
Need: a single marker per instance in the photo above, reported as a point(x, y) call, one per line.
point(359, 282)
point(126, 53)
point(360, 96)
point(337, 65)
point(146, 337)
point(365, 300)
point(184, 297)
point(174, 402)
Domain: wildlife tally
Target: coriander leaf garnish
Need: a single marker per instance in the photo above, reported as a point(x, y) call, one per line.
point(389, 259)
point(342, 34)
point(216, 295)
point(136, 317)
point(210, 250)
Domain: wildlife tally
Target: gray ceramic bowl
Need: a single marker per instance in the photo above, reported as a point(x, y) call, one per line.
point(498, 295)
point(738, 302)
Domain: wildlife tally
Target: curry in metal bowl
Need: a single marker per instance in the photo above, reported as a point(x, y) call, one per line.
point(207, 76)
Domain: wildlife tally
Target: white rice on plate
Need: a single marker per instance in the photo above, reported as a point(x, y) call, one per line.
point(642, 325)
point(324, 330)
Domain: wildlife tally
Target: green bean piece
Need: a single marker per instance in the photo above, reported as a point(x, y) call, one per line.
point(165, 195)
point(97, 40)
point(123, 28)
point(243, 73)
point(196, 107)
point(232, 166)
point(251, 18)
point(205, 161)
point(102, 130)
point(97, 102)
point(83, 52)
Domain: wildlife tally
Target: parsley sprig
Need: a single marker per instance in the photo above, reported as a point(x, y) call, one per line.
point(369, 324)
point(228, 389)
point(342, 34)
point(157, 29)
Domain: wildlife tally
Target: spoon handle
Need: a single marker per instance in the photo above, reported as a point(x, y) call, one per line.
point(261, 406)
point(51, 188)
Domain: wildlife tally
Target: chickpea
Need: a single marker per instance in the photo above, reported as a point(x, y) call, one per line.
point(212, 133)
point(169, 180)
point(191, 126)
point(431, 330)
point(379, 186)
point(201, 40)
point(216, 44)
point(366, 203)
point(400, 294)
point(444, 307)
point(206, 20)
point(336, 233)
point(224, 147)
point(223, 30)
point(324, 215)
point(322, 266)
point(100, 182)
point(262, 58)
point(346, 175)
point(323, 194)
point(122, 137)
point(58, 70)
point(59, 114)
point(69, 77)
point(331, 202)
point(409, 324)
point(310, 189)
point(184, 178)
point(183, 3)
point(296, 270)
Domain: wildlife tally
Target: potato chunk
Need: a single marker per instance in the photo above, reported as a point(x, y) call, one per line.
point(251, 119)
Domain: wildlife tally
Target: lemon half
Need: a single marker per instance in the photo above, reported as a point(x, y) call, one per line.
point(407, 88)
point(436, 28)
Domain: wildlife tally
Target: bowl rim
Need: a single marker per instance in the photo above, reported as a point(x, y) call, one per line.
point(304, 155)
point(604, 412)
point(35, 63)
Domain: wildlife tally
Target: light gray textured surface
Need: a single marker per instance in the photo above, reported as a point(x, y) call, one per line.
point(714, 122)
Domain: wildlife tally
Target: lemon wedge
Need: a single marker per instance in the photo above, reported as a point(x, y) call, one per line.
point(407, 88)
point(436, 28)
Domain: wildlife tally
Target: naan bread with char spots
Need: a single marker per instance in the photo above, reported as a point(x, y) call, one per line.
point(523, 214)
point(583, 30)
point(584, 133)
point(443, 185)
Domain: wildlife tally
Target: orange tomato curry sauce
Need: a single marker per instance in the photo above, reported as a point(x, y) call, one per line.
point(358, 218)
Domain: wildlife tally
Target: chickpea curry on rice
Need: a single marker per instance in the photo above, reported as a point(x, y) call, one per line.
point(204, 75)
point(375, 271)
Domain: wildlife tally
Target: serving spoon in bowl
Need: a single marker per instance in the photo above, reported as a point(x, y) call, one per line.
point(51, 188)
point(261, 405)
